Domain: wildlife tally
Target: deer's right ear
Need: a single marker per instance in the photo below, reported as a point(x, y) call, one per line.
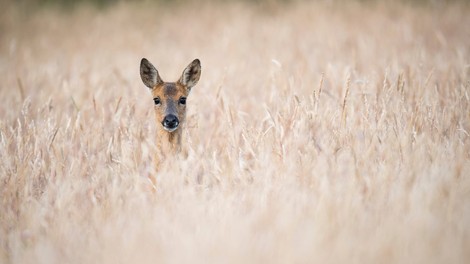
point(149, 74)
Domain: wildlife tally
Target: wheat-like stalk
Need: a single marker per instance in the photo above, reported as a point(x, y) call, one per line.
point(288, 160)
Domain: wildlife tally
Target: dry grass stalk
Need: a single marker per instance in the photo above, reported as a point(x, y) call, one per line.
point(378, 172)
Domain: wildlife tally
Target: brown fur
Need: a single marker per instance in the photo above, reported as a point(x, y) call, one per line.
point(169, 95)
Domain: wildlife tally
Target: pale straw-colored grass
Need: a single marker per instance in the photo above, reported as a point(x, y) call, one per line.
point(319, 133)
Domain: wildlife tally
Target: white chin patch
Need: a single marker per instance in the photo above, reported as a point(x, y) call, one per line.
point(170, 129)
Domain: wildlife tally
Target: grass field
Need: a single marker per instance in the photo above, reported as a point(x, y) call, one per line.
point(324, 132)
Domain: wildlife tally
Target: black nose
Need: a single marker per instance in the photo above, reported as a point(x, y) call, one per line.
point(170, 121)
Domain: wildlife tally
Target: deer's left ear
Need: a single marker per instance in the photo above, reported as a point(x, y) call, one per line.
point(191, 74)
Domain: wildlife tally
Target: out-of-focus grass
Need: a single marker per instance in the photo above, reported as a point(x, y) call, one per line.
point(283, 167)
point(71, 4)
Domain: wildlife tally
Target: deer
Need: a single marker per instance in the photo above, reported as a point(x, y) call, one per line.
point(170, 106)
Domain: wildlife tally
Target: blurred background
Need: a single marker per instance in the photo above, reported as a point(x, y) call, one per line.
point(320, 131)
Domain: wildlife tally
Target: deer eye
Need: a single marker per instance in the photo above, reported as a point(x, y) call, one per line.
point(183, 100)
point(157, 100)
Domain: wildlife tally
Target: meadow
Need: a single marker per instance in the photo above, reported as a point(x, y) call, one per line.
point(319, 132)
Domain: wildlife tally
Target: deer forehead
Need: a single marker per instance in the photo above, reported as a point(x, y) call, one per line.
point(169, 90)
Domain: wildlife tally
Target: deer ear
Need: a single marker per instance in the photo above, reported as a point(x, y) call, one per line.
point(149, 74)
point(191, 74)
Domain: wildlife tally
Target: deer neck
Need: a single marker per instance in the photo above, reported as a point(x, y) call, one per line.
point(169, 143)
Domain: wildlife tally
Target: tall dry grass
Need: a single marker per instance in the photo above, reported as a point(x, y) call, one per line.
point(319, 133)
